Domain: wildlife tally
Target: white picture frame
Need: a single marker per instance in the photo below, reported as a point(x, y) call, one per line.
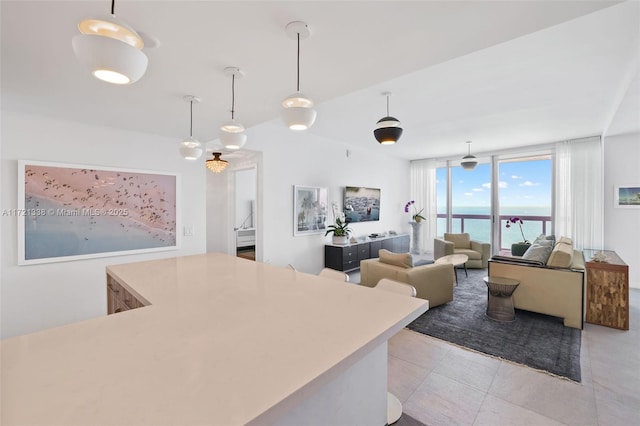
point(626, 196)
point(309, 210)
point(70, 212)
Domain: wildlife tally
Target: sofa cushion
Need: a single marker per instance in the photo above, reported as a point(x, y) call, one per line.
point(471, 254)
point(538, 252)
point(403, 260)
point(460, 241)
point(565, 240)
point(561, 256)
point(543, 237)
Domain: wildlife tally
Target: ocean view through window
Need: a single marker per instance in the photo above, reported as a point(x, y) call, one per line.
point(523, 189)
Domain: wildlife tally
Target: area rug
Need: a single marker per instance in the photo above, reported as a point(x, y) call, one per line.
point(538, 341)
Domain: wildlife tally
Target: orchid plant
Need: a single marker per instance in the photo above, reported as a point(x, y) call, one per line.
point(417, 214)
point(519, 222)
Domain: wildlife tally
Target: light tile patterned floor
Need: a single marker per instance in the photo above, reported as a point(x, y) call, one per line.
point(442, 384)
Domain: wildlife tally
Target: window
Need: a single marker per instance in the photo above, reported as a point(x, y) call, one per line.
point(523, 188)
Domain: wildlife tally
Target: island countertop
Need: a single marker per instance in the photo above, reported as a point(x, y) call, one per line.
point(224, 341)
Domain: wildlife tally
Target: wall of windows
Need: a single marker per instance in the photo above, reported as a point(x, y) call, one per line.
point(474, 200)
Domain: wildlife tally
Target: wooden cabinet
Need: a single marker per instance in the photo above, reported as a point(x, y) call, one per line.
point(607, 290)
point(120, 299)
point(348, 257)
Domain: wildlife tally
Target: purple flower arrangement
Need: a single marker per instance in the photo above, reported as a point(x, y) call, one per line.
point(517, 220)
point(416, 216)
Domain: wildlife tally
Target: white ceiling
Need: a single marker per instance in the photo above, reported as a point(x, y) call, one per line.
point(501, 74)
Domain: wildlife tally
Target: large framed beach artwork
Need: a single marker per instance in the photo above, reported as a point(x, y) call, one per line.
point(626, 196)
point(310, 210)
point(71, 212)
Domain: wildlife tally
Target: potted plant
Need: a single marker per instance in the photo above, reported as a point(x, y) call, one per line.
point(518, 249)
point(340, 231)
point(417, 216)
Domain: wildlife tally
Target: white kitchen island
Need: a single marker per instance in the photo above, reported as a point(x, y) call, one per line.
point(224, 341)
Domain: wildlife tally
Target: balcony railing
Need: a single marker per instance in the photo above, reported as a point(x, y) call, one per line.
point(534, 225)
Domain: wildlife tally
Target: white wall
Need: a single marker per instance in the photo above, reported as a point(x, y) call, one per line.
point(622, 225)
point(47, 295)
point(301, 158)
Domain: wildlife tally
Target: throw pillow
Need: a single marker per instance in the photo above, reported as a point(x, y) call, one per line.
point(539, 253)
point(403, 260)
point(561, 256)
point(565, 240)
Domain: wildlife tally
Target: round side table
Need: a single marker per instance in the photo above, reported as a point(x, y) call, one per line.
point(500, 298)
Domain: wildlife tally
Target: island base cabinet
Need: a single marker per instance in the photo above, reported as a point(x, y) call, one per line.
point(119, 299)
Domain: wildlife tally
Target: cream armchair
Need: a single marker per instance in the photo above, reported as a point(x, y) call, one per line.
point(478, 252)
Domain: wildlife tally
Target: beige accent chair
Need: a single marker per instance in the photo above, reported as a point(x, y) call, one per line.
point(478, 252)
point(396, 287)
point(432, 282)
point(334, 275)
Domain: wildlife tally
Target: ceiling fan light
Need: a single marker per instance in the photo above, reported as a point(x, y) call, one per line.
point(191, 149)
point(232, 127)
point(299, 118)
point(111, 27)
point(217, 164)
point(233, 140)
point(110, 59)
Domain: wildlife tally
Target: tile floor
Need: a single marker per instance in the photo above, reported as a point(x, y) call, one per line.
point(442, 384)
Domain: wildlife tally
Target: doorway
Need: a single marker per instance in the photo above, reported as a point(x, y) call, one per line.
point(245, 191)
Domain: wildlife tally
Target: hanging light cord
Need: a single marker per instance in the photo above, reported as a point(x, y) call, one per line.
point(113, 7)
point(191, 122)
point(387, 105)
point(298, 82)
point(233, 94)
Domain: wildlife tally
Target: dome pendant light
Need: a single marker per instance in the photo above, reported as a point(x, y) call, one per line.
point(110, 49)
point(191, 148)
point(231, 132)
point(298, 111)
point(388, 129)
point(469, 162)
point(217, 164)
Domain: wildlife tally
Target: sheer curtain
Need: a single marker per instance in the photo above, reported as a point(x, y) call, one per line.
point(579, 192)
point(423, 191)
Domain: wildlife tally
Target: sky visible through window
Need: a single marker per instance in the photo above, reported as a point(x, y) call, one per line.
point(524, 190)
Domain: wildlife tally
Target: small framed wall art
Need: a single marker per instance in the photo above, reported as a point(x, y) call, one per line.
point(71, 212)
point(626, 196)
point(309, 210)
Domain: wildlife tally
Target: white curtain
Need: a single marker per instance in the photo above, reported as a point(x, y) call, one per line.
point(423, 191)
point(579, 192)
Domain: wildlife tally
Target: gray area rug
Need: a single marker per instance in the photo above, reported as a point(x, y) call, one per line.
point(538, 341)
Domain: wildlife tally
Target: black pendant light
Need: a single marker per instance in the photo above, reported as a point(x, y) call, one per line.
point(469, 162)
point(388, 129)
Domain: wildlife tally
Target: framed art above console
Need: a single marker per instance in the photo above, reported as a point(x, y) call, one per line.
point(361, 204)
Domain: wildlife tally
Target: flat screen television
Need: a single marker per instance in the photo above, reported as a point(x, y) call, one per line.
point(361, 204)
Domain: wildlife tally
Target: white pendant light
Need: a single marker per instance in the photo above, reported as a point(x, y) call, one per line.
point(232, 132)
point(110, 49)
point(388, 130)
point(469, 162)
point(191, 148)
point(298, 111)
